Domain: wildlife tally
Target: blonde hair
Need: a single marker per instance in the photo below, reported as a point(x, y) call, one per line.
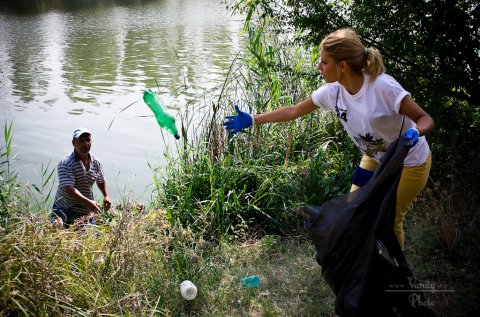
point(345, 45)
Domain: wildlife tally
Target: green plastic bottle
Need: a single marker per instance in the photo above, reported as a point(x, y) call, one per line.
point(164, 119)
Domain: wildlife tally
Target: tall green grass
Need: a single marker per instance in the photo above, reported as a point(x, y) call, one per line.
point(18, 199)
point(10, 189)
point(42, 193)
point(256, 181)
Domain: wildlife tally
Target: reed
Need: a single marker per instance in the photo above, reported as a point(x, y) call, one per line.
point(255, 182)
point(10, 191)
point(42, 193)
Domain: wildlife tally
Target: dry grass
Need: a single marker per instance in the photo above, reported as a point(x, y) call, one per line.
point(133, 265)
point(442, 248)
point(134, 268)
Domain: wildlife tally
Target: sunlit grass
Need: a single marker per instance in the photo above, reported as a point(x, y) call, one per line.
point(135, 268)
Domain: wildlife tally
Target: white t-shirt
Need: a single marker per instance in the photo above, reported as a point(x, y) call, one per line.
point(371, 117)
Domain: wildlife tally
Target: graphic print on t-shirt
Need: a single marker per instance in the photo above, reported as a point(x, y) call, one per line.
point(370, 145)
point(341, 113)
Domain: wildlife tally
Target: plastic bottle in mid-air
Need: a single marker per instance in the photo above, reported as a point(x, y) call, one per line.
point(164, 119)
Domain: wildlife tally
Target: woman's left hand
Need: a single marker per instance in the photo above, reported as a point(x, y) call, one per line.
point(411, 137)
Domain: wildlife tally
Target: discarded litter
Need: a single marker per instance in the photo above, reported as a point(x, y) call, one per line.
point(188, 290)
point(250, 281)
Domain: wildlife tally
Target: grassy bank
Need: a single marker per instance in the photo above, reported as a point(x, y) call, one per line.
point(224, 209)
point(132, 262)
point(216, 220)
point(133, 267)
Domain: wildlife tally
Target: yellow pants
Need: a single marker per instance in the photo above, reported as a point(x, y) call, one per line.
point(412, 181)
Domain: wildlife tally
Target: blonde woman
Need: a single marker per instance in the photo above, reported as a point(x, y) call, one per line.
point(373, 108)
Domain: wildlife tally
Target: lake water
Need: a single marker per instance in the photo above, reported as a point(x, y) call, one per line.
point(66, 64)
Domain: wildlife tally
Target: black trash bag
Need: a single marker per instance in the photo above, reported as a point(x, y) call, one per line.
point(358, 251)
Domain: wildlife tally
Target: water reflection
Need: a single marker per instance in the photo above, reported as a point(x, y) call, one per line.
point(65, 64)
point(91, 56)
point(104, 46)
point(26, 7)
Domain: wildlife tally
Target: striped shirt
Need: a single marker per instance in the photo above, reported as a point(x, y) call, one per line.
point(71, 171)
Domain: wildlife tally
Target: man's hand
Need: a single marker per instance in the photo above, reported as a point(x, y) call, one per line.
point(93, 205)
point(106, 203)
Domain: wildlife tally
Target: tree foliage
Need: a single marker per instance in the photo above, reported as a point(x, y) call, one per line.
point(431, 45)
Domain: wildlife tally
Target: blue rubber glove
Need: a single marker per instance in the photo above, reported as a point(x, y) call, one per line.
point(240, 121)
point(411, 137)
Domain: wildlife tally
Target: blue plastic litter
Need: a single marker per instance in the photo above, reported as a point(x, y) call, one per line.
point(250, 281)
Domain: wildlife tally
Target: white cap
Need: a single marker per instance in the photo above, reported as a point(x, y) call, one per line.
point(78, 132)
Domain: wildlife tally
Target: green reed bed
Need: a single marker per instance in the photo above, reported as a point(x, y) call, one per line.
point(256, 181)
point(257, 186)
